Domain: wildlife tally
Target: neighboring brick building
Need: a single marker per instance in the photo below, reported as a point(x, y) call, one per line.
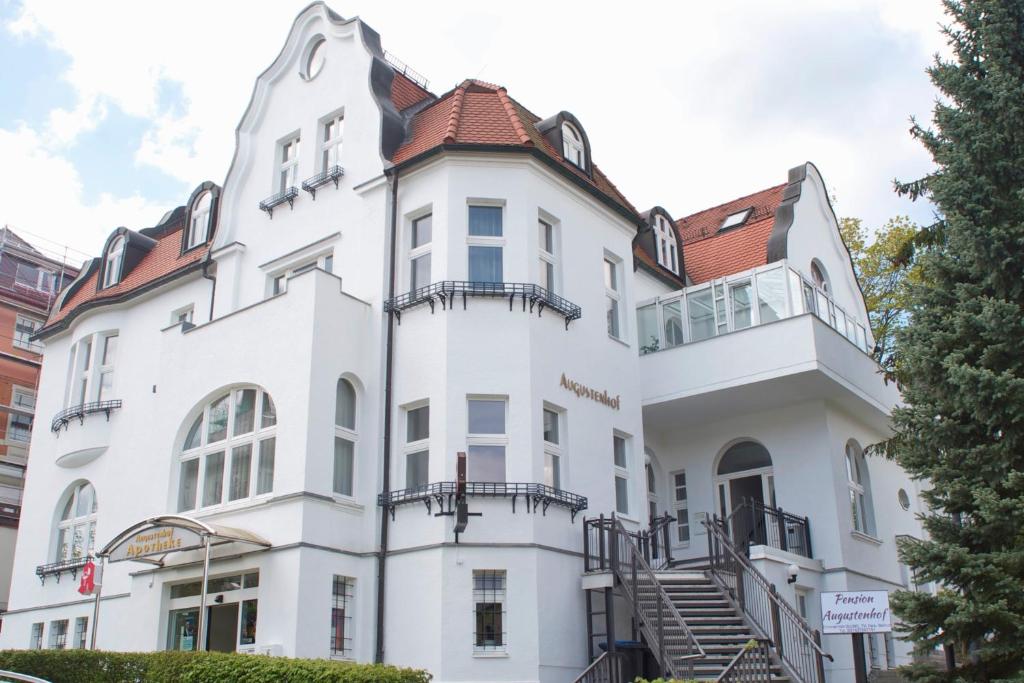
point(29, 282)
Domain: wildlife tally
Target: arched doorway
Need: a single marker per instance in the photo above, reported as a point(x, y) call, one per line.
point(744, 479)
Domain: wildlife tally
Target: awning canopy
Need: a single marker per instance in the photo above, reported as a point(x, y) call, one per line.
point(153, 539)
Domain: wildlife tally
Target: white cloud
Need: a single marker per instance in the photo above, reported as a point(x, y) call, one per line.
point(687, 104)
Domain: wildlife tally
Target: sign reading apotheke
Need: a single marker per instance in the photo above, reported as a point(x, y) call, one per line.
point(583, 391)
point(855, 612)
point(158, 540)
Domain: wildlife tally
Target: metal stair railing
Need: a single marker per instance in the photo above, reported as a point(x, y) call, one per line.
point(605, 669)
point(797, 646)
point(752, 664)
point(668, 635)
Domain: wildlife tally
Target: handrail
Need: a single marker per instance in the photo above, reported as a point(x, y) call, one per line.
point(654, 542)
point(635, 574)
point(65, 416)
point(10, 675)
point(605, 669)
point(796, 644)
point(752, 664)
point(771, 526)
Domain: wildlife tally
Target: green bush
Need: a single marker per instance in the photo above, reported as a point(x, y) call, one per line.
point(88, 666)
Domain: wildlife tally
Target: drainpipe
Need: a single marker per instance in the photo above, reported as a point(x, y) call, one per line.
point(386, 478)
point(211, 278)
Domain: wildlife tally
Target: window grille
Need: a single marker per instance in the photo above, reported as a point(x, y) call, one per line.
point(81, 626)
point(59, 634)
point(341, 616)
point(36, 641)
point(489, 609)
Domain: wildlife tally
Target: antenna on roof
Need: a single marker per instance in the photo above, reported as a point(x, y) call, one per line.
point(406, 70)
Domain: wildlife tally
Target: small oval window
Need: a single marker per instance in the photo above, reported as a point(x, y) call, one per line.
point(315, 60)
point(904, 499)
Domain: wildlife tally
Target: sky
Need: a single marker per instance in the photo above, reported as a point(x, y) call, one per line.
point(112, 113)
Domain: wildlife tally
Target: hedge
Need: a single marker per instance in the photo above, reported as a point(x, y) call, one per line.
point(90, 666)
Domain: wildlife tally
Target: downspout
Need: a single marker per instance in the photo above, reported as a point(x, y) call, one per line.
point(386, 478)
point(211, 278)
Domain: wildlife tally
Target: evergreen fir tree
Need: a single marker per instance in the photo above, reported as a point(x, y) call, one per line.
point(962, 372)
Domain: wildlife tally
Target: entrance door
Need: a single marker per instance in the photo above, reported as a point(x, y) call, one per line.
point(746, 529)
point(222, 635)
point(745, 475)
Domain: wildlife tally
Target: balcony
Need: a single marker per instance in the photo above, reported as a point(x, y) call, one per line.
point(333, 174)
point(89, 438)
point(448, 291)
point(754, 523)
point(728, 305)
point(532, 496)
point(55, 569)
point(79, 412)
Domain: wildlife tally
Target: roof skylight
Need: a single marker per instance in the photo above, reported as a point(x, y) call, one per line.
point(735, 219)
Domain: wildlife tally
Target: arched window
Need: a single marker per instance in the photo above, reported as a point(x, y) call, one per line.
point(665, 244)
point(860, 489)
point(746, 455)
point(345, 437)
point(199, 226)
point(76, 527)
point(820, 276)
point(113, 263)
point(229, 435)
point(572, 146)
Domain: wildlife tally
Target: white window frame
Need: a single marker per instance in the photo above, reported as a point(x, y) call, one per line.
point(183, 314)
point(114, 262)
point(665, 244)
point(487, 439)
point(573, 148)
point(554, 452)
point(288, 167)
point(548, 258)
point(351, 435)
point(81, 630)
point(330, 147)
point(613, 293)
point(497, 241)
point(12, 415)
point(74, 524)
point(59, 634)
point(419, 445)
point(623, 473)
point(227, 446)
point(681, 509)
point(22, 340)
point(199, 225)
point(491, 597)
point(35, 641)
point(105, 365)
point(417, 252)
point(861, 514)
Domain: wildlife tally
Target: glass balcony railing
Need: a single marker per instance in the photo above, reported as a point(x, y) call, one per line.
point(736, 302)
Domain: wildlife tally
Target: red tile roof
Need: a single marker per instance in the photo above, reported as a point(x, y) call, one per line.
point(163, 259)
point(478, 113)
point(406, 92)
point(710, 254)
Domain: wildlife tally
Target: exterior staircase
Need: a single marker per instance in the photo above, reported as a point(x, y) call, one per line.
point(718, 626)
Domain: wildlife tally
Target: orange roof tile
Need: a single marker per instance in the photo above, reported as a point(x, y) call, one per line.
point(405, 92)
point(710, 254)
point(163, 259)
point(479, 113)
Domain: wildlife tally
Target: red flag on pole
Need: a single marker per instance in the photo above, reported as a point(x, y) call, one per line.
point(87, 586)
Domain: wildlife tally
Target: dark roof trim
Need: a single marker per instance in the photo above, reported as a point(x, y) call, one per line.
point(137, 245)
point(649, 218)
point(551, 129)
point(536, 153)
point(214, 190)
point(65, 322)
point(778, 241)
point(382, 74)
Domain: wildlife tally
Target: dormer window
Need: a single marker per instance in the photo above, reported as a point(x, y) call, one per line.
point(665, 244)
point(737, 219)
point(114, 263)
point(572, 146)
point(199, 226)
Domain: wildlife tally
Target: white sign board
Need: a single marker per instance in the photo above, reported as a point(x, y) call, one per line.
point(855, 612)
point(158, 540)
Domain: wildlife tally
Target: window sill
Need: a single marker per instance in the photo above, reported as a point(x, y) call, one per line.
point(232, 506)
point(348, 503)
point(620, 341)
point(866, 538)
point(498, 654)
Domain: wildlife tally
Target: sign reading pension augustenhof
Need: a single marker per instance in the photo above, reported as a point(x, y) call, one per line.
point(583, 391)
point(855, 612)
point(156, 541)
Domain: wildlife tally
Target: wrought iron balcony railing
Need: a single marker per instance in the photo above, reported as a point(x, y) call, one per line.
point(70, 566)
point(446, 291)
point(65, 416)
point(443, 493)
point(333, 173)
point(273, 201)
point(754, 523)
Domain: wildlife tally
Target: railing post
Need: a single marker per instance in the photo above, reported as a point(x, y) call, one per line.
point(818, 660)
point(613, 546)
point(661, 636)
point(711, 542)
point(601, 541)
point(776, 619)
point(783, 544)
point(807, 536)
point(667, 546)
point(586, 546)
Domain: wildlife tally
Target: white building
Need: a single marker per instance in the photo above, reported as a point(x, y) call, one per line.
point(388, 278)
